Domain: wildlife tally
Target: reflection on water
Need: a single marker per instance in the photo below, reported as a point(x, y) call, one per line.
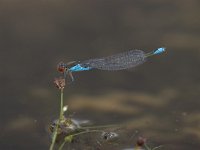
point(70, 131)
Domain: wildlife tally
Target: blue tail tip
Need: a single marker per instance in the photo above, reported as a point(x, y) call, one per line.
point(159, 50)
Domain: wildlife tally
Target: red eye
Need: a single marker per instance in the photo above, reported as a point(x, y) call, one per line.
point(61, 67)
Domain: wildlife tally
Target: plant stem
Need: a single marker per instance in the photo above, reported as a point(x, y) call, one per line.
point(146, 147)
point(62, 145)
point(76, 134)
point(57, 122)
point(103, 126)
point(61, 106)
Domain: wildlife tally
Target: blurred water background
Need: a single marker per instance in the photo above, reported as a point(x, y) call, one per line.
point(159, 99)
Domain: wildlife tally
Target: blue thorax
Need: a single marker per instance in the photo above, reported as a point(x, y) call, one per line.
point(78, 67)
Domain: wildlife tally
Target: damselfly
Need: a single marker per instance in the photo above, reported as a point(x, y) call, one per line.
point(124, 60)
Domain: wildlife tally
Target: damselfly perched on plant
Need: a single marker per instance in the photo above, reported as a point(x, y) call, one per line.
point(120, 61)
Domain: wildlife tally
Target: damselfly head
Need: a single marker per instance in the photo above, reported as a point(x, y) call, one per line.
point(61, 67)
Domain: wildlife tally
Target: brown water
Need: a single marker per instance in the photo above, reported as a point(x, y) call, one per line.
point(159, 99)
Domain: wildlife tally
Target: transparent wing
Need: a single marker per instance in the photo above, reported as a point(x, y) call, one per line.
point(119, 61)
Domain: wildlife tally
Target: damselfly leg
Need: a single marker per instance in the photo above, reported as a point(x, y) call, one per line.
point(68, 72)
point(64, 69)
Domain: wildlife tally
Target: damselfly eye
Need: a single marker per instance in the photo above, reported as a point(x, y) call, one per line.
point(61, 67)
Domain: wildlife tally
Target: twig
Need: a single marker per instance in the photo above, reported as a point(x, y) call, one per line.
point(57, 122)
